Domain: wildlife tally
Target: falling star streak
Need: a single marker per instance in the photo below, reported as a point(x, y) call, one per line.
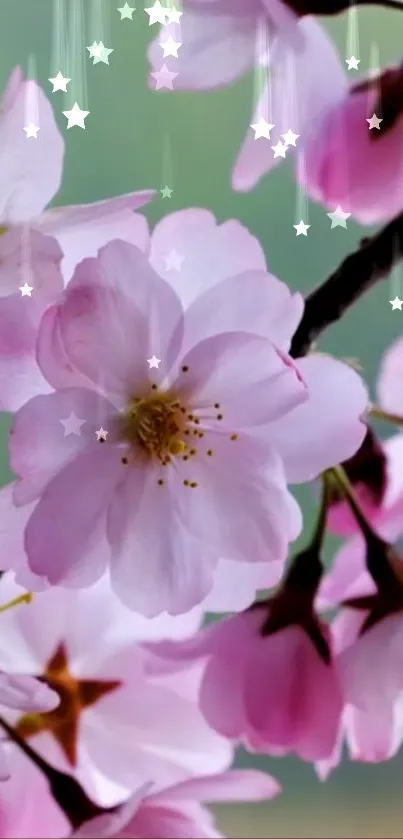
point(77, 70)
point(59, 57)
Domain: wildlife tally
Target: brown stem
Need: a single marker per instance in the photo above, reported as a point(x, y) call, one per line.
point(356, 275)
point(66, 791)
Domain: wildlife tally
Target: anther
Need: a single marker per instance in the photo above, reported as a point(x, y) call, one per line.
point(125, 460)
point(219, 416)
point(185, 457)
point(234, 436)
point(193, 451)
point(217, 405)
point(161, 482)
point(153, 387)
point(193, 484)
point(185, 368)
point(210, 452)
point(186, 483)
point(196, 420)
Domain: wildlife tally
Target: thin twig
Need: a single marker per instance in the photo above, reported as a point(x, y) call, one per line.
point(357, 274)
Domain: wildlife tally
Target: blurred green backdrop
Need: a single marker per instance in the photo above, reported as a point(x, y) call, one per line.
point(137, 139)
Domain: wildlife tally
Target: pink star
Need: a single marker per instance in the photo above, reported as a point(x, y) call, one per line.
point(164, 78)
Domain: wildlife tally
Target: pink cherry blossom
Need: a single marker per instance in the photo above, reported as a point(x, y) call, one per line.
point(27, 808)
point(132, 722)
point(178, 810)
point(222, 40)
point(31, 172)
point(351, 164)
point(277, 695)
point(214, 484)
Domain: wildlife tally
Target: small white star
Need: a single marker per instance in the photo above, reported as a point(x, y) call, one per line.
point(101, 435)
point(59, 82)
point(76, 116)
point(279, 149)
point(99, 52)
point(26, 290)
point(374, 122)
point(262, 129)
point(173, 15)
point(166, 192)
point(290, 138)
point(301, 228)
point(338, 217)
point(72, 424)
point(126, 12)
point(352, 63)
point(157, 13)
point(153, 362)
point(397, 303)
point(173, 260)
point(31, 130)
point(170, 47)
point(164, 78)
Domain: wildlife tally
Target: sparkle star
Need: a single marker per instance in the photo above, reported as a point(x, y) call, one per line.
point(59, 82)
point(157, 14)
point(166, 192)
point(173, 261)
point(126, 12)
point(397, 303)
point(31, 130)
point(164, 78)
point(173, 15)
point(262, 129)
point(95, 49)
point(75, 116)
point(153, 362)
point(170, 47)
point(301, 228)
point(338, 217)
point(26, 290)
point(352, 63)
point(279, 149)
point(72, 424)
point(290, 138)
point(101, 435)
point(99, 52)
point(374, 122)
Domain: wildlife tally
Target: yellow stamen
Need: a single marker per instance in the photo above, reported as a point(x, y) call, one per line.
point(17, 601)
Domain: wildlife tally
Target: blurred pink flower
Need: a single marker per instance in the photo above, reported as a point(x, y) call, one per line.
point(349, 163)
point(198, 451)
point(31, 172)
point(222, 40)
point(120, 720)
point(375, 506)
point(280, 693)
point(178, 810)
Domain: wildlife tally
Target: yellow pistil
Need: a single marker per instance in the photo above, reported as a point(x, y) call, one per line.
point(17, 601)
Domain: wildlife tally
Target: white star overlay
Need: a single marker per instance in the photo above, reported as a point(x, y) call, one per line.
point(170, 47)
point(101, 434)
point(397, 303)
point(262, 129)
point(59, 82)
point(126, 12)
point(72, 424)
point(338, 218)
point(301, 229)
point(352, 63)
point(31, 130)
point(153, 362)
point(26, 290)
point(157, 14)
point(280, 149)
point(374, 122)
point(76, 116)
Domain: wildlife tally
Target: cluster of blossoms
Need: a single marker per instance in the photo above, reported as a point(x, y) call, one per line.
point(147, 495)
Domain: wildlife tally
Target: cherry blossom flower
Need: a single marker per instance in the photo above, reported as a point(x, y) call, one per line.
point(119, 721)
point(222, 40)
point(178, 810)
point(31, 173)
point(355, 163)
point(196, 447)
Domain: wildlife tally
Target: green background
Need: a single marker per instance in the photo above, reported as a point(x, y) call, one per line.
point(137, 139)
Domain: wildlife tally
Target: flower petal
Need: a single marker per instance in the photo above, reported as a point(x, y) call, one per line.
point(390, 377)
point(252, 381)
point(297, 97)
point(326, 428)
point(83, 229)
point(30, 169)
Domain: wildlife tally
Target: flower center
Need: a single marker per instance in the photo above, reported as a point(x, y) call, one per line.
point(158, 424)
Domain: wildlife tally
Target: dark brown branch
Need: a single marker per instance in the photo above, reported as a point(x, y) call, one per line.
point(357, 274)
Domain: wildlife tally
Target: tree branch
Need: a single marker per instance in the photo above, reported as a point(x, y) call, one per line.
point(356, 275)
